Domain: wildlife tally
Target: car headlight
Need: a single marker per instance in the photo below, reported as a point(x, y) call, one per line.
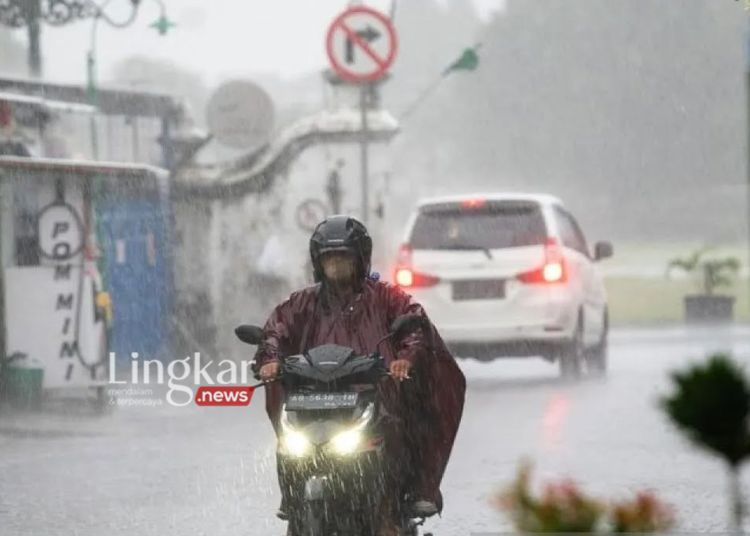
point(346, 442)
point(295, 443)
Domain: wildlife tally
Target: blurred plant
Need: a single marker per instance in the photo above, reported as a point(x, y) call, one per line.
point(645, 513)
point(711, 404)
point(563, 507)
point(716, 272)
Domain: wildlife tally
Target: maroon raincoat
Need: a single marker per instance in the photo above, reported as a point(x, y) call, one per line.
point(429, 407)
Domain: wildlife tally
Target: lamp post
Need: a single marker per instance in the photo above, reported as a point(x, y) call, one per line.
point(468, 61)
point(747, 142)
point(32, 13)
point(162, 25)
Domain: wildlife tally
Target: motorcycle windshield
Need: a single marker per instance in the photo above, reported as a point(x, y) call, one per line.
point(332, 363)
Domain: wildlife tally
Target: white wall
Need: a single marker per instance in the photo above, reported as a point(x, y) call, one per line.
point(41, 301)
point(42, 324)
point(239, 229)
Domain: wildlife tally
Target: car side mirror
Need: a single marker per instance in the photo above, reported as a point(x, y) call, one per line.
point(406, 324)
point(603, 250)
point(249, 334)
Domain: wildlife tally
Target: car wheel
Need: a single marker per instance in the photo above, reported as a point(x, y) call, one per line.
point(572, 355)
point(597, 357)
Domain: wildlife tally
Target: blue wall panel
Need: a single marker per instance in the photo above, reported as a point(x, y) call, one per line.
point(133, 237)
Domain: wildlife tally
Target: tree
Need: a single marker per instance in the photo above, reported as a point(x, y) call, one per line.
point(630, 111)
point(711, 405)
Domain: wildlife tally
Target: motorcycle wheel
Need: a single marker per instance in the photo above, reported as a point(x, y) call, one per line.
point(308, 522)
point(313, 523)
point(314, 520)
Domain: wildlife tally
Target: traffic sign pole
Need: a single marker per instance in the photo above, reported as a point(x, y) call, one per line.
point(364, 154)
point(361, 45)
point(747, 148)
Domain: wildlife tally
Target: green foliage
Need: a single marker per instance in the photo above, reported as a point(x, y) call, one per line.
point(716, 273)
point(556, 70)
point(687, 264)
point(710, 405)
point(563, 507)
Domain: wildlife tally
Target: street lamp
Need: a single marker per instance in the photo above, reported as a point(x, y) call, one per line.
point(162, 25)
point(31, 13)
point(468, 61)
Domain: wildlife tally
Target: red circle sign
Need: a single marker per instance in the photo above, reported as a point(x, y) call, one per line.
point(361, 44)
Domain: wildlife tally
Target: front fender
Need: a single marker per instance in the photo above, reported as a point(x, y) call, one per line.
point(316, 488)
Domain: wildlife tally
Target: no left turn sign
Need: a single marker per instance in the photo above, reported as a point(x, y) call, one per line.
point(361, 44)
point(310, 213)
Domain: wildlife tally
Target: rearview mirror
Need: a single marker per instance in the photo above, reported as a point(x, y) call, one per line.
point(249, 334)
point(602, 250)
point(406, 324)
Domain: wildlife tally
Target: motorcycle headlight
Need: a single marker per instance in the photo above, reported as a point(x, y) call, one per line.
point(346, 442)
point(295, 443)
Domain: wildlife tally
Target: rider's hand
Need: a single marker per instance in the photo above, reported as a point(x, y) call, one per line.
point(269, 371)
point(400, 369)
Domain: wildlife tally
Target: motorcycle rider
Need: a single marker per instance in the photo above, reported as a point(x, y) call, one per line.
point(350, 307)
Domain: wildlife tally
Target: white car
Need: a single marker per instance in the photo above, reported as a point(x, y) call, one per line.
point(508, 275)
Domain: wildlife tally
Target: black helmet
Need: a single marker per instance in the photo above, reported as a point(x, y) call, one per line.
point(341, 233)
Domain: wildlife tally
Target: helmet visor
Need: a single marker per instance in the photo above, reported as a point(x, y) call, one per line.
point(338, 265)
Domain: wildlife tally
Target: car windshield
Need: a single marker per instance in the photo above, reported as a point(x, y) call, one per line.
point(493, 225)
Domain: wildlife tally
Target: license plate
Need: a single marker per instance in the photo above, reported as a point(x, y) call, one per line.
point(480, 289)
point(303, 401)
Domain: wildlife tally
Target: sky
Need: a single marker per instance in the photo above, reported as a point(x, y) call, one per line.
point(219, 39)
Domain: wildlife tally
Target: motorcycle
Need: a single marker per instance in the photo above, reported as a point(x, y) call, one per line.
point(332, 445)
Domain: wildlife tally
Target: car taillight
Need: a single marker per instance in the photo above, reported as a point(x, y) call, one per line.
point(406, 277)
point(473, 203)
point(552, 271)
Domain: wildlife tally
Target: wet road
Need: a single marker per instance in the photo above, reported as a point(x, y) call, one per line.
point(163, 470)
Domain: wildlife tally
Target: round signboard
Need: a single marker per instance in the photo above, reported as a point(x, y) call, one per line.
point(310, 213)
point(60, 232)
point(240, 114)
